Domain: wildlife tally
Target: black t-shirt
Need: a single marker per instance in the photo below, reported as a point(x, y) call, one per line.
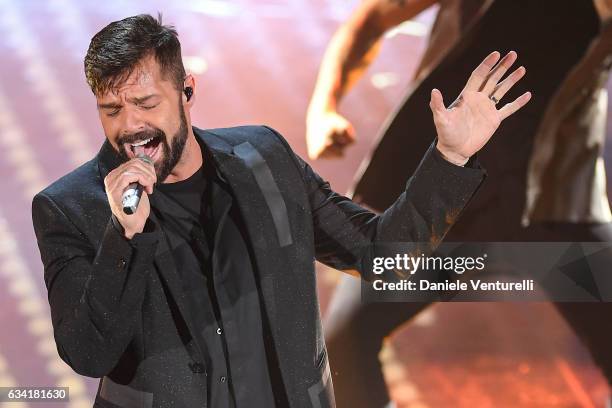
point(225, 305)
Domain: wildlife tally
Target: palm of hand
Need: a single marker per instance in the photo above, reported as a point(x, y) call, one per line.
point(468, 123)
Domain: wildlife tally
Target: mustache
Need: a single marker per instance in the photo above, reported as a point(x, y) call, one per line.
point(142, 135)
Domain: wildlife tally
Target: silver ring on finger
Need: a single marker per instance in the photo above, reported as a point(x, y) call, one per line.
point(494, 99)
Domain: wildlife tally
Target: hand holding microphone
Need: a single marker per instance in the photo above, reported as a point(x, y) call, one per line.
point(131, 195)
point(122, 187)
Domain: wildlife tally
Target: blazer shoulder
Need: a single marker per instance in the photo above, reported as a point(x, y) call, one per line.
point(265, 139)
point(74, 185)
point(257, 135)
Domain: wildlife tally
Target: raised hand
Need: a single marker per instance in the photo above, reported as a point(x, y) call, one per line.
point(328, 134)
point(468, 123)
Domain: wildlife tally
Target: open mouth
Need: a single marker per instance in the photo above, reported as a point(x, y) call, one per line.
point(148, 147)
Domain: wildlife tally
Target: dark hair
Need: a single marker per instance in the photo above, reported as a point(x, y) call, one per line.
point(116, 50)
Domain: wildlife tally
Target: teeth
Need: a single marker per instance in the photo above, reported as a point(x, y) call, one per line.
point(144, 142)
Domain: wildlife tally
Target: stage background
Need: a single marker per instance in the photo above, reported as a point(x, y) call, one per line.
point(255, 62)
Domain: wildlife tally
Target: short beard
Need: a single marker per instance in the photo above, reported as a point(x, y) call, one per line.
point(170, 155)
point(173, 155)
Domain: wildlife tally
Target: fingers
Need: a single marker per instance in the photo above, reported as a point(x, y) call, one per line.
point(344, 138)
point(437, 101)
point(503, 87)
point(143, 166)
point(332, 151)
point(133, 175)
point(498, 72)
point(479, 75)
point(336, 147)
point(148, 171)
point(515, 105)
point(133, 171)
point(329, 150)
point(149, 178)
point(336, 138)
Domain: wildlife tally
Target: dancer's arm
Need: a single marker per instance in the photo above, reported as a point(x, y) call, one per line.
point(351, 50)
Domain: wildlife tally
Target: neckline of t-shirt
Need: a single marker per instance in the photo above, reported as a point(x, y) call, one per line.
point(195, 178)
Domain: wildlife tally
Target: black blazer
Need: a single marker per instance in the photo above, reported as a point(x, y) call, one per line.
point(119, 311)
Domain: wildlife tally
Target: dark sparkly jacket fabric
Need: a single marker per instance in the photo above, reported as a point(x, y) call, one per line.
point(118, 307)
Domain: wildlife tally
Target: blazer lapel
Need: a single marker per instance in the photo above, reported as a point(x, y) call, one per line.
point(234, 171)
point(265, 216)
point(263, 230)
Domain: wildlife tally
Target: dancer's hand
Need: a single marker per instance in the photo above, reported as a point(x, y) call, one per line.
point(328, 134)
point(468, 123)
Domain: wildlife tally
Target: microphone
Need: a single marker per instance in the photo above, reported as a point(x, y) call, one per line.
point(133, 192)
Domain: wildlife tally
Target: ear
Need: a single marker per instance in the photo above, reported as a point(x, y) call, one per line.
point(189, 83)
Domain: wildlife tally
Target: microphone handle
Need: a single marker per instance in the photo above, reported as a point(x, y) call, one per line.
point(133, 192)
point(131, 198)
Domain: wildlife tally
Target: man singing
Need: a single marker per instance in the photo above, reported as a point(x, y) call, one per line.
point(206, 296)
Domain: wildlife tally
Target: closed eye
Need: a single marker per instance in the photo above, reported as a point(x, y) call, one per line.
point(113, 113)
point(148, 107)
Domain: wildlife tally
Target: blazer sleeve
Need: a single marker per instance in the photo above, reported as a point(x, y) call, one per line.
point(347, 233)
point(95, 294)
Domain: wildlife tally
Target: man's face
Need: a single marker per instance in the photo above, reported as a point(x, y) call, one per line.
point(145, 113)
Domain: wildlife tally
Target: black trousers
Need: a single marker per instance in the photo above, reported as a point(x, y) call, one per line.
point(355, 330)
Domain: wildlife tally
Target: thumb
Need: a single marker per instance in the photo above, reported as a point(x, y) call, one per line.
point(437, 101)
